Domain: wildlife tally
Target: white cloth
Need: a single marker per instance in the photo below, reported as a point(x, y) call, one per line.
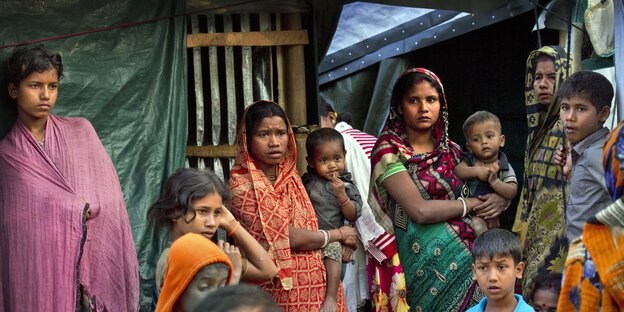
point(600, 25)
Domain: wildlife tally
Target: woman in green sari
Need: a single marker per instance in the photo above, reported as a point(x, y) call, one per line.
point(416, 196)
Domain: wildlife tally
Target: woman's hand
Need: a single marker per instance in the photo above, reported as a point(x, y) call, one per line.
point(349, 236)
point(347, 254)
point(235, 258)
point(492, 206)
point(309, 240)
point(471, 203)
point(228, 222)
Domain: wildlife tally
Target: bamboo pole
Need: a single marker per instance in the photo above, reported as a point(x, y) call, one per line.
point(215, 96)
point(199, 92)
point(281, 79)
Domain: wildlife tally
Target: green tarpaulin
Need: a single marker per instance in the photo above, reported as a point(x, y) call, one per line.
point(129, 82)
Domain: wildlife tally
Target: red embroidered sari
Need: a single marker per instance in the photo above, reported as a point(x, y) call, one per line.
point(266, 211)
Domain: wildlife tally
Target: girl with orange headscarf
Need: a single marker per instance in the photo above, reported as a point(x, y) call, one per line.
point(195, 267)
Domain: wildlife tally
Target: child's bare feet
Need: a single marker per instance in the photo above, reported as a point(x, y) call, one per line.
point(479, 225)
point(329, 305)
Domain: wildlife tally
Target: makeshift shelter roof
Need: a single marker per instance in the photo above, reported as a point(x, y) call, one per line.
point(368, 33)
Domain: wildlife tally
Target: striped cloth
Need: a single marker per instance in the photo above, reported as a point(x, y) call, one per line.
point(365, 140)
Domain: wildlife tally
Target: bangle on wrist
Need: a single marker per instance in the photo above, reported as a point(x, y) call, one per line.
point(464, 205)
point(508, 203)
point(234, 229)
point(344, 202)
point(325, 238)
point(492, 184)
point(341, 234)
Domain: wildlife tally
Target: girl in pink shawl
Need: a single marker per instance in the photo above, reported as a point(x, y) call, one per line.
point(65, 238)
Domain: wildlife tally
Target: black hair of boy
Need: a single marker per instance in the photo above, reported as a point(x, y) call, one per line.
point(590, 86)
point(322, 136)
point(547, 282)
point(477, 118)
point(183, 187)
point(235, 297)
point(497, 242)
point(28, 60)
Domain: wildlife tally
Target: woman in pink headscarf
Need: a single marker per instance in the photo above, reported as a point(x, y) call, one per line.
point(65, 238)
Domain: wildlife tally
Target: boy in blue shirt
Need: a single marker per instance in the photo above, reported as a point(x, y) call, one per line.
point(496, 267)
point(585, 106)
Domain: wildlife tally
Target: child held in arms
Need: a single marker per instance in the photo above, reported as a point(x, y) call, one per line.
point(334, 197)
point(484, 167)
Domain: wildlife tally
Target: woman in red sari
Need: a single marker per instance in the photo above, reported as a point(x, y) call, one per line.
point(270, 201)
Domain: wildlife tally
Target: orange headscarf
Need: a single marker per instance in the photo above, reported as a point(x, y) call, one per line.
point(188, 254)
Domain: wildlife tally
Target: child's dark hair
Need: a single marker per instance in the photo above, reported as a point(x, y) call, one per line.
point(589, 85)
point(232, 298)
point(322, 136)
point(406, 82)
point(477, 118)
point(326, 108)
point(548, 282)
point(27, 60)
point(183, 187)
point(497, 242)
point(259, 111)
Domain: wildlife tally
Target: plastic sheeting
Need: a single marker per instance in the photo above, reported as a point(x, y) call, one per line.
point(129, 82)
point(360, 21)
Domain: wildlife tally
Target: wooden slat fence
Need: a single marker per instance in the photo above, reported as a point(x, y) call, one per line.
point(236, 59)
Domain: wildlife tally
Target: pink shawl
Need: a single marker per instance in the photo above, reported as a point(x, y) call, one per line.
point(47, 248)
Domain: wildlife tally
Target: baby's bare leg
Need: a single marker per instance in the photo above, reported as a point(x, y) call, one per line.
point(479, 224)
point(493, 223)
point(333, 269)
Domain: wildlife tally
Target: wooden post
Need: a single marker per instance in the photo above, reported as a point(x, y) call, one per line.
point(295, 86)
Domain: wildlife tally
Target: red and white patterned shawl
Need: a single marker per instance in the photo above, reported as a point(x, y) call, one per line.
point(43, 196)
point(265, 211)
